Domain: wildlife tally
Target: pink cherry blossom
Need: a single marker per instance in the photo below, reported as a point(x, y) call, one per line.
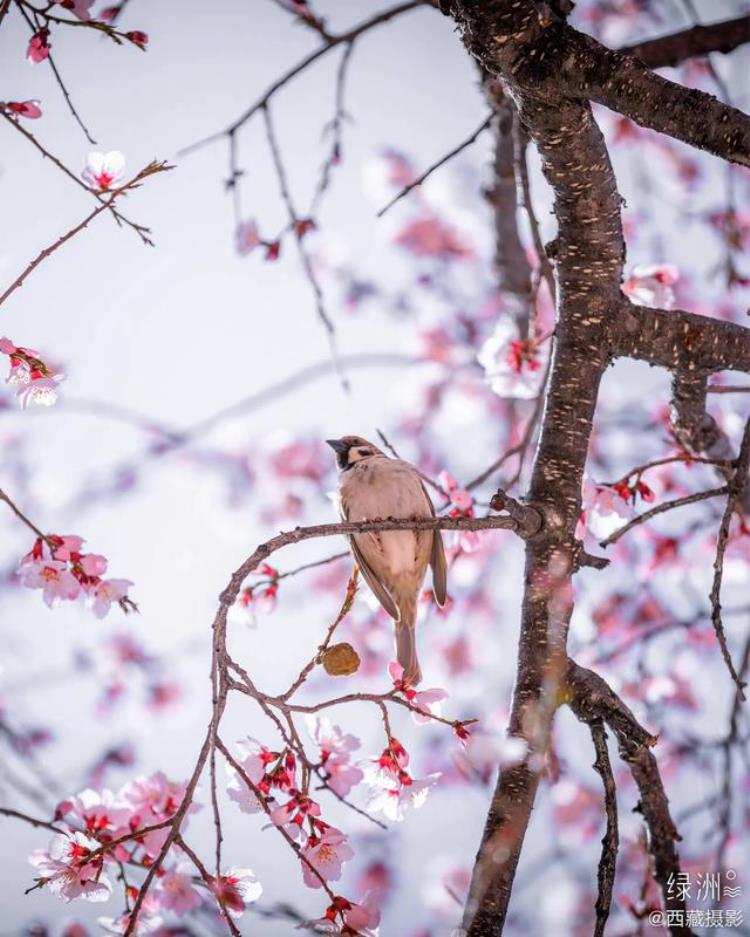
point(81, 8)
point(66, 546)
point(330, 737)
point(52, 576)
point(246, 237)
point(652, 285)
point(236, 890)
point(604, 510)
point(511, 364)
point(254, 758)
point(39, 46)
point(335, 751)
point(108, 591)
point(41, 391)
point(427, 701)
point(294, 812)
point(94, 564)
point(341, 778)
point(363, 918)
point(34, 380)
point(149, 920)
point(326, 853)
point(176, 892)
point(430, 237)
point(28, 109)
point(392, 799)
point(154, 798)
point(66, 871)
point(103, 171)
point(100, 812)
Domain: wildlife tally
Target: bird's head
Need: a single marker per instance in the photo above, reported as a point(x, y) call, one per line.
point(352, 449)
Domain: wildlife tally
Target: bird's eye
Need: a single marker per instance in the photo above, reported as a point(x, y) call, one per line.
point(364, 452)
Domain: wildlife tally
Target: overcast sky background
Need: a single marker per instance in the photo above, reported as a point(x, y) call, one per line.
point(180, 331)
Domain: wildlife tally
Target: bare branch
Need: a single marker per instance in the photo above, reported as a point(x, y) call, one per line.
point(591, 698)
point(347, 37)
point(441, 162)
point(34, 821)
point(610, 840)
point(735, 490)
point(294, 222)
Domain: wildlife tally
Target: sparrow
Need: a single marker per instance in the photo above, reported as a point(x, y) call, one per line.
point(393, 563)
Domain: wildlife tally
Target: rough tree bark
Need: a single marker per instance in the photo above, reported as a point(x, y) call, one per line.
point(552, 73)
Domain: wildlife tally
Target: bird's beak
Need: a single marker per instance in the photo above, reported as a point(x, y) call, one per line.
point(338, 445)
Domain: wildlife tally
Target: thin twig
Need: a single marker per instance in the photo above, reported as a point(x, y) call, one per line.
point(141, 230)
point(294, 222)
point(661, 508)
point(48, 251)
point(378, 19)
point(22, 517)
point(441, 162)
point(34, 821)
point(610, 840)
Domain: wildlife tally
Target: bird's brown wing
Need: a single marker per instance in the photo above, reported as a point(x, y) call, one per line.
point(437, 560)
point(379, 590)
point(381, 593)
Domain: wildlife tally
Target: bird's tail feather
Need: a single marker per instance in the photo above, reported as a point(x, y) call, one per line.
point(406, 644)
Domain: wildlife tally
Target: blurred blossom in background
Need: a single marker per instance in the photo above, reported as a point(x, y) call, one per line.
point(171, 493)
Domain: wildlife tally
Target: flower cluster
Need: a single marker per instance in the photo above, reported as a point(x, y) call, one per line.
point(270, 782)
point(34, 380)
point(261, 597)
point(57, 566)
point(267, 776)
point(103, 830)
point(394, 790)
point(336, 747)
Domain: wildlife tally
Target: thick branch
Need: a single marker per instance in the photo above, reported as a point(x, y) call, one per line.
point(540, 51)
point(670, 50)
point(589, 253)
point(694, 427)
point(681, 340)
point(591, 699)
point(511, 263)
